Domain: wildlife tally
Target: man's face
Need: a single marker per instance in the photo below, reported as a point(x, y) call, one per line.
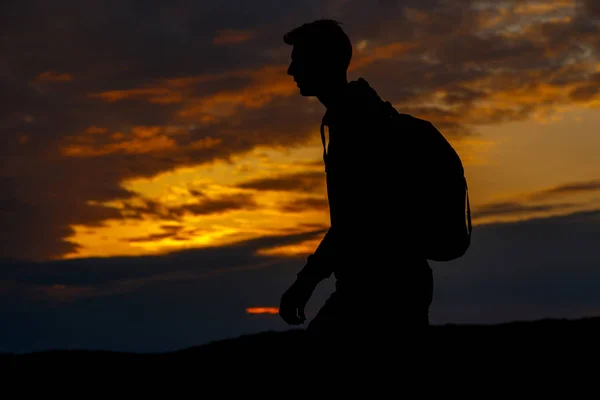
point(305, 70)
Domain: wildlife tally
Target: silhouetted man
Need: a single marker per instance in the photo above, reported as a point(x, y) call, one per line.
point(383, 289)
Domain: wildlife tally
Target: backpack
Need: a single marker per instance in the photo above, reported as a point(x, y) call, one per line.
point(440, 194)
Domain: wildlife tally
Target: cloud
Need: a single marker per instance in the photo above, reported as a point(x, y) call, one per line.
point(590, 8)
point(567, 189)
point(309, 203)
point(101, 99)
point(169, 231)
point(52, 76)
point(539, 268)
point(545, 267)
point(114, 275)
point(541, 202)
point(203, 206)
point(473, 71)
point(298, 182)
point(223, 204)
point(514, 208)
point(155, 94)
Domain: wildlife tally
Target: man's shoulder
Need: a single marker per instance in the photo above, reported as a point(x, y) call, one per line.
point(409, 120)
point(353, 112)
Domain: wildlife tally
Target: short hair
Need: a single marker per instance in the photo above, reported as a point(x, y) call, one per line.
point(324, 37)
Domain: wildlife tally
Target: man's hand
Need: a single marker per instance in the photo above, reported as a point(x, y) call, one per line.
point(293, 302)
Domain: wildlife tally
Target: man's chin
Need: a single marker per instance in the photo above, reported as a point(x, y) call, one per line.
point(306, 92)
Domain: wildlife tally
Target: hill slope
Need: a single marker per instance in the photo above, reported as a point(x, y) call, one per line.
point(530, 342)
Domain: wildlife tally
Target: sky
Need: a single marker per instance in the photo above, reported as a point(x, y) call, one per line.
point(162, 178)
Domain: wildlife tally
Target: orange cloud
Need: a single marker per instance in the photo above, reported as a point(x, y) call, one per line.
point(96, 130)
point(145, 132)
point(262, 86)
point(52, 76)
point(567, 189)
point(211, 205)
point(304, 182)
point(543, 7)
point(140, 140)
point(453, 74)
point(301, 249)
point(384, 52)
point(160, 95)
point(544, 202)
point(262, 310)
point(132, 146)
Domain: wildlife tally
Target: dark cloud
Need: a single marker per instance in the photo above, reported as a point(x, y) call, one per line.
point(306, 204)
point(456, 51)
point(587, 90)
point(53, 118)
point(205, 206)
point(567, 189)
point(298, 182)
point(105, 297)
point(36, 175)
point(38, 178)
point(590, 8)
point(406, 20)
point(150, 209)
point(37, 212)
point(540, 268)
point(493, 51)
point(533, 203)
point(112, 275)
point(222, 204)
point(152, 237)
point(532, 269)
point(162, 40)
point(58, 58)
point(515, 209)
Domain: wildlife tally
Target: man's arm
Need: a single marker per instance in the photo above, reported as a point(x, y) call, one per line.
point(317, 268)
point(319, 265)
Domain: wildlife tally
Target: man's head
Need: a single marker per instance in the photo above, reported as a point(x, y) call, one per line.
point(321, 55)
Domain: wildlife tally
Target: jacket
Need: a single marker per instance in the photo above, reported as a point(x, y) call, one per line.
point(359, 194)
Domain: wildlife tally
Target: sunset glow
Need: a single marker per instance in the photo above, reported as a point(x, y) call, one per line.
point(262, 310)
point(195, 159)
point(161, 171)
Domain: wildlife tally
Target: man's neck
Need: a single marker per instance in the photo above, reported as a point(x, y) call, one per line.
point(333, 94)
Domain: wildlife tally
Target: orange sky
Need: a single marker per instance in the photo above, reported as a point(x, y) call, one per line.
point(231, 153)
point(142, 128)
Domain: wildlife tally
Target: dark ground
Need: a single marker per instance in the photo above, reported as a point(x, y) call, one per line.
point(559, 334)
point(542, 356)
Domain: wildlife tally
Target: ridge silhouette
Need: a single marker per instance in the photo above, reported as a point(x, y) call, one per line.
point(238, 356)
point(387, 215)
